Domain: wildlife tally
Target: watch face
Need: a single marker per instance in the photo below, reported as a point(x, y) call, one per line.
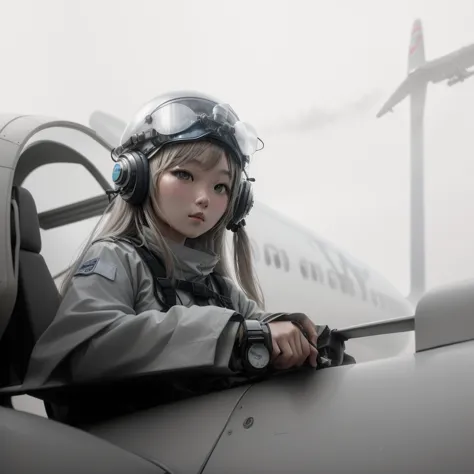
point(258, 356)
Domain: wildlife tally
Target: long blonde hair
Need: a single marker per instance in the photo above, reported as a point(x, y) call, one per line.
point(126, 220)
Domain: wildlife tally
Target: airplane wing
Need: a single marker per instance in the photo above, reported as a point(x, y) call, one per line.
point(465, 59)
point(416, 60)
point(108, 126)
point(413, 82)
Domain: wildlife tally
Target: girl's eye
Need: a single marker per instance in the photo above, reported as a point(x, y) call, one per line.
point(180, 174)
point(221, 188)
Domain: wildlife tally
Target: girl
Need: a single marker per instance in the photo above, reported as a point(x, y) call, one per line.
point(181, 183)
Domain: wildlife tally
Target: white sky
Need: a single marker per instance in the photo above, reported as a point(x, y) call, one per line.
point(310, 75)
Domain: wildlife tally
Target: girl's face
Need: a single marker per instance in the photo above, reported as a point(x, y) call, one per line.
point(193, 198)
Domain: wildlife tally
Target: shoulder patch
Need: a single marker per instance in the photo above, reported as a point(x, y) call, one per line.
point(87, 267)
point(98, 267)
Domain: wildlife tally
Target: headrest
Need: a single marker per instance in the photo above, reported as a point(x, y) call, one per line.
point(30, 237)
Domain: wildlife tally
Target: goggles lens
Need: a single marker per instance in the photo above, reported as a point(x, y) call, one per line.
point(180, 120)
point(173, 118)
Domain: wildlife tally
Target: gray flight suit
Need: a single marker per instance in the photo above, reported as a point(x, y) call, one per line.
point(110, 324)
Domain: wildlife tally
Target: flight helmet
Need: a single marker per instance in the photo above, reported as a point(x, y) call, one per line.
point(181, 117)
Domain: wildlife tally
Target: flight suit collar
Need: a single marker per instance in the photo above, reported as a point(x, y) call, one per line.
point(191, 264)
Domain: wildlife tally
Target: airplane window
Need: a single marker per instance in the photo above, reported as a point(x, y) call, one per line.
point(375, 298)
point(316, 273)
point(313, 270)
point(276, 257)
point(270, 252)
point(304, 269)
point(332, 277)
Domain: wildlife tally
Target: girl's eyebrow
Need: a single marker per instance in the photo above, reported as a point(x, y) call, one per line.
point(200, 165)
point(225, 172)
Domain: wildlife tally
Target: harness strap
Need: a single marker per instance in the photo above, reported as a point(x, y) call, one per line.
point(199, 290)
point(223, 290)
point(203, 291)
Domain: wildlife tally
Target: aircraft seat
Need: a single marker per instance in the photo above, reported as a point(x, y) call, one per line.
point(37, 299)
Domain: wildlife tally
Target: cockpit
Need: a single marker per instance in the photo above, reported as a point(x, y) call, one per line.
point(36, 153)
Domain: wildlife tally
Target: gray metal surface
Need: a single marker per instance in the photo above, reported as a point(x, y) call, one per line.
point(33, 445)
point(181, 435)
point(71, 213)
point(43, 152)
point(401, 415)
point(410, 414)
point(5, 119)
point(445, 316)
point(389, 326)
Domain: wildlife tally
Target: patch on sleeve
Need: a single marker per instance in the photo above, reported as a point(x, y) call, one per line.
point(98, 267)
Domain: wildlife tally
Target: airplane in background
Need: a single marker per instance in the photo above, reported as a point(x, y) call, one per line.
point(452, 67)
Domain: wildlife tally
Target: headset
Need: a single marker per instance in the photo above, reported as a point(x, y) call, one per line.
point(131, 175)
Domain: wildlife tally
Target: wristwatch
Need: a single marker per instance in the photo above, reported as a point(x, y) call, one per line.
point(255, 346)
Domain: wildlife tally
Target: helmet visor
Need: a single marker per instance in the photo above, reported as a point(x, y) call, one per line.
point(193, 118)
point(173, 119)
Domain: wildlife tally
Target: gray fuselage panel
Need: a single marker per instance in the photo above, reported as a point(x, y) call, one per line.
point(403, 415)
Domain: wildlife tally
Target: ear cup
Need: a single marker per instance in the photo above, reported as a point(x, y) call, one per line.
point(133, 181)
point(243, 204)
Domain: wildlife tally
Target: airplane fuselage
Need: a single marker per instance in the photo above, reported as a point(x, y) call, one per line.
point(447, 66)
point(302, 272)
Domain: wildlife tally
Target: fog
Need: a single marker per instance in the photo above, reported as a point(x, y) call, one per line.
point(309, 75)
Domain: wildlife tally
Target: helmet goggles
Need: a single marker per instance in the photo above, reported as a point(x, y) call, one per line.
point(193, 118)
